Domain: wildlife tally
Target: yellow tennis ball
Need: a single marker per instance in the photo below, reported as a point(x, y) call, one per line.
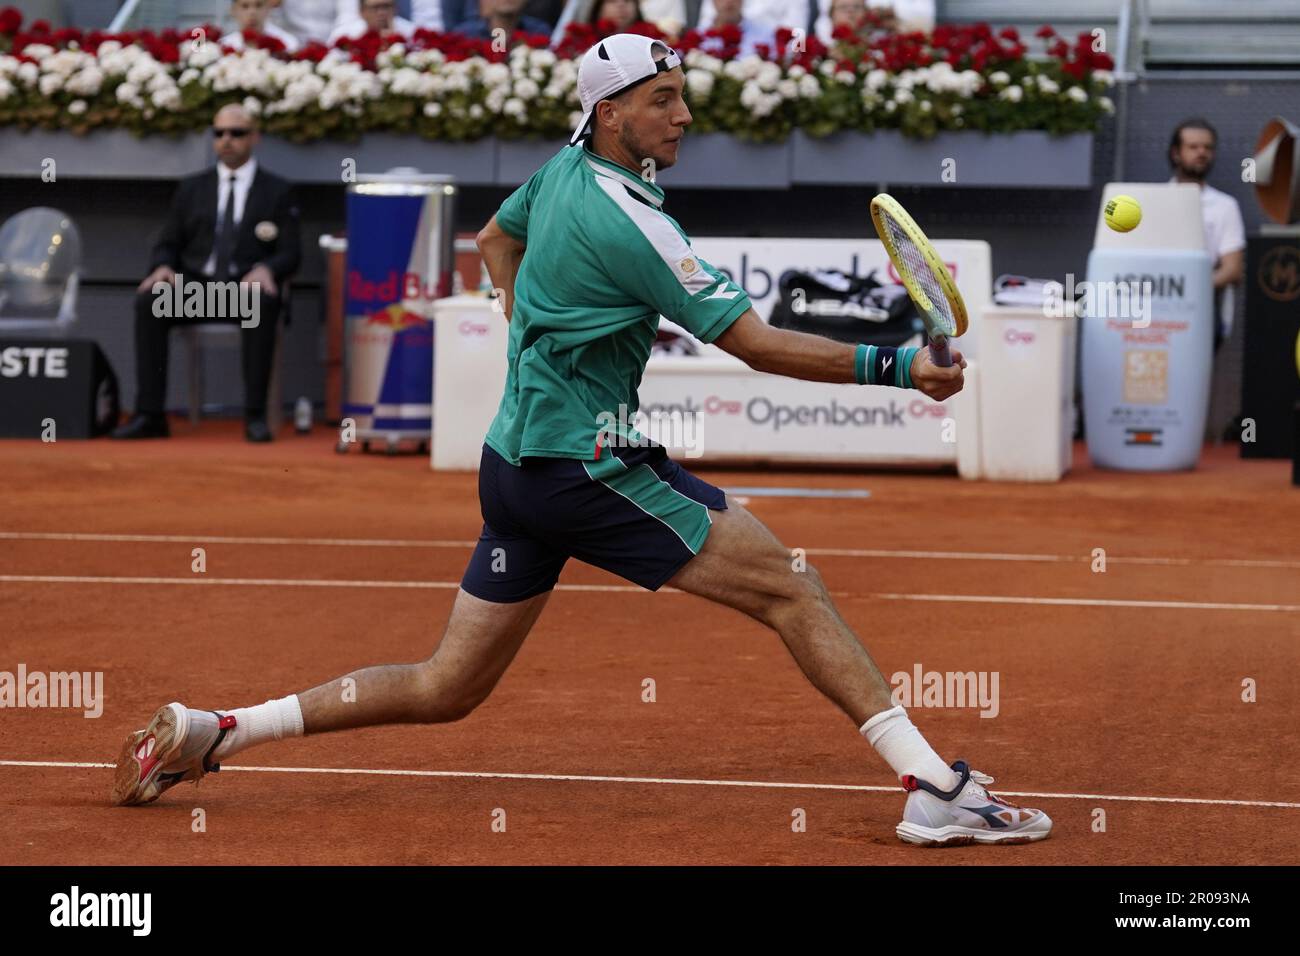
point(1123, 213)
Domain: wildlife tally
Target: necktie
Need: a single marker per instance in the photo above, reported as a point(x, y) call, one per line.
point(225, 243)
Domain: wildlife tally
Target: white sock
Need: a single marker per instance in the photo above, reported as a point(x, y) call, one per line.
point(274, 720)
point(901, 745)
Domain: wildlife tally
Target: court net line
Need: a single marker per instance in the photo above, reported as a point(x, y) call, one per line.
point(671, 781)
point(634, 589)
point(467, 545)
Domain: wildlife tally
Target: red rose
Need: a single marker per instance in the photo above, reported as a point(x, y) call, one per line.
point(1101, 61)
point(40, 27)
point(1044, 32)
point(1059, 49)
point(783, 37)
point(1075, 68)
point(10, 21)
point(1009, 33)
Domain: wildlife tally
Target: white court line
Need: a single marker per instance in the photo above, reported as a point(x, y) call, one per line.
point(633, 589)
point(669, 781)
point(828, 552)
point(1086, 602)
point(282, 582)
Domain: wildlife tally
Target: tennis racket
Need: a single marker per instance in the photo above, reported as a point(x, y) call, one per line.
point(924, 275)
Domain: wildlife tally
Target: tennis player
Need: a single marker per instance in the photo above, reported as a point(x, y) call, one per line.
point(587, 261)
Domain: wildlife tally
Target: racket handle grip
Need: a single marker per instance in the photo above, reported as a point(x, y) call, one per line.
point(940, 354)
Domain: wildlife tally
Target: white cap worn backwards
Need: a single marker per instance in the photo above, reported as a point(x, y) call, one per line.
point(615, 65)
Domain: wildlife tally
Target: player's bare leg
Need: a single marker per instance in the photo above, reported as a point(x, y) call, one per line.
point(480, 640)
point(744, 566)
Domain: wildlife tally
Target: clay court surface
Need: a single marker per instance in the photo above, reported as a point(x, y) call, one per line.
point(1118, 690)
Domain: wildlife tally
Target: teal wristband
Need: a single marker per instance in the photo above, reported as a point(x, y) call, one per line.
point(905, 366)
point(861, 365)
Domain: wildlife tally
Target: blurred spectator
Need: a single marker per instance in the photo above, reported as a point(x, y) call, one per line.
point(1191, 155)
point(234, 223)
point(377, 16)
point(426, 14)
point(768, 13)
point(507, 15)
point(853, 14)
point(621, 13)
point(903, 16)
point(663, 13)
point(730, 13)
point(251, 17)
point(548, 11)
point(309, 20)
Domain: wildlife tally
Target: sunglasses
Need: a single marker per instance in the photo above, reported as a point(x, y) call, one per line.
point(234, 133)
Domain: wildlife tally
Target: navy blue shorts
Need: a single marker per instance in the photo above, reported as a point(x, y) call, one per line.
point(634, 512)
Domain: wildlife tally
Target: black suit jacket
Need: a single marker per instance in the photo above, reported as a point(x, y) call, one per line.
point(187, 238)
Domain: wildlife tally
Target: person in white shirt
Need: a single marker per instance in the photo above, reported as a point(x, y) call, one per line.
point(426, 14)
point(1191, 154)
point(309, 20)
point(752, 32)
point(903, 16)
point(376, 16)
point(767, 13)
point(252, 15)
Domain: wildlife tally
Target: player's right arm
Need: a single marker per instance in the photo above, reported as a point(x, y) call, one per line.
point(817, 359)
point(502, 253)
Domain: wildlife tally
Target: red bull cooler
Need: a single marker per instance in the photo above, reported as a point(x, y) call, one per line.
point(400, 257)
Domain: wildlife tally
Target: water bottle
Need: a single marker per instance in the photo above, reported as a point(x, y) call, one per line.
point(302, 415)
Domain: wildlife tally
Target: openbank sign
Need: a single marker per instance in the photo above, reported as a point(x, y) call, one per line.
point(761, 410)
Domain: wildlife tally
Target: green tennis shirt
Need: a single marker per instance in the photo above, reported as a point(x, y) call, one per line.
point(603, 262)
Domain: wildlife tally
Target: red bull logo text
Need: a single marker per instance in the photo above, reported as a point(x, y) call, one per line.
point(404, 286)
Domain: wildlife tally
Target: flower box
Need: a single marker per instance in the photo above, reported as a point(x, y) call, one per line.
point(1028, 158)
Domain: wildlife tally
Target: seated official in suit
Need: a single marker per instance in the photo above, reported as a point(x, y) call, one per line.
point(230, 242)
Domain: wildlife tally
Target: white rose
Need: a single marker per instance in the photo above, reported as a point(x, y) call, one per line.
point(253, 105)
point(476, 111)
point(1077, 94)
point(925, 106)
point(1000, 78)
point(796, 72)
point(432, 109)
point(1107, 104)
point(514, 107)
point(76, 107)
point(37, 51)
point(903, 96)
point(1048, 85)
point(699, 82)
point(845, 77)
point(526, 89)
point(1104, 77)
point(1012, 93)
point(28, 74)
point(789, 89)
point(809, 88)
point(127, 92)
point(876, 79)
point(50, 84)
point(6, 88)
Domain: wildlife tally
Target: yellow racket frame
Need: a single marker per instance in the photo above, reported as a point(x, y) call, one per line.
point(886, 205)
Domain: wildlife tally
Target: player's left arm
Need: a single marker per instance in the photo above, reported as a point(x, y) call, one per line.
point(817, 359)
point(502, 253)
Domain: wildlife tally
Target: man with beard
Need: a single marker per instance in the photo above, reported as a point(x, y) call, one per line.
point(1191, 154)
point(586, 262)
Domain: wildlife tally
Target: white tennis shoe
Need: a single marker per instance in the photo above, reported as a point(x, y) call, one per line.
point(967, 813)
point(177, 745)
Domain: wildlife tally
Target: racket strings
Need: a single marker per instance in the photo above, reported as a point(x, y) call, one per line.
point(919, 266)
